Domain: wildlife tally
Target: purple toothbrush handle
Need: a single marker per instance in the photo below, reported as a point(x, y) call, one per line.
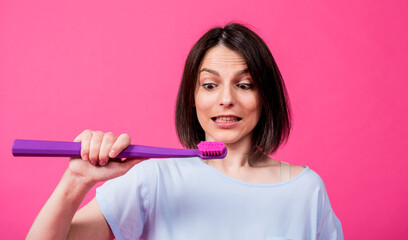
point(37, 148)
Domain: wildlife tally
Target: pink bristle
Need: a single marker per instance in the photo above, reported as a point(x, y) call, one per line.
point(211, 148)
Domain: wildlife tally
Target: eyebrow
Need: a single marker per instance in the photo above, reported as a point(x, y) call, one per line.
point(217, 74)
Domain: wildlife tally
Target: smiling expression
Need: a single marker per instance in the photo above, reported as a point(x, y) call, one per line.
point(227, 104)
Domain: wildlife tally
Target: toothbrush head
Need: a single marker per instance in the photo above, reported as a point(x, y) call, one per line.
point(211, 150)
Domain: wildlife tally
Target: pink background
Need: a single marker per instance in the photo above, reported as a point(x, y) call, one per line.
point(66, 66)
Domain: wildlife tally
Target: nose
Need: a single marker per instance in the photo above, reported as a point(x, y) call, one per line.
point(227, 98)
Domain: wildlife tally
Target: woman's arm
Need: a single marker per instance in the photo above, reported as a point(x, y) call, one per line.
point(89, 223)
point(54, 219)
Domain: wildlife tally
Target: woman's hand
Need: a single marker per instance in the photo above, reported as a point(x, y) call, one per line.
point(97, 148)
point(54, 219)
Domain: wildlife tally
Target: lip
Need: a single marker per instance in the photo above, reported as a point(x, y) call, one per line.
point(226, 124)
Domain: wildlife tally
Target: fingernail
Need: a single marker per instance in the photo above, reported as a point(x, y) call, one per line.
point(85, 157)
point(112, 153)
point(102, 163)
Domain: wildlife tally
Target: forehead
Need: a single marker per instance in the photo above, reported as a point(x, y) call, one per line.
point(221, 56)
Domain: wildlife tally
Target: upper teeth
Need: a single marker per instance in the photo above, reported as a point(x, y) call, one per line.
point(226, 119)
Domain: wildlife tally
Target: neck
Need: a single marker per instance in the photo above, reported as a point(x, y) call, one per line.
point(237, 155)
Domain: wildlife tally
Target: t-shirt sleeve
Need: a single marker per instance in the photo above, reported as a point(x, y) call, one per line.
point(124, 202)
point(329, 226)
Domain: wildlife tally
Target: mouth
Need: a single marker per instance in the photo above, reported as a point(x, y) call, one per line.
point(226, 119)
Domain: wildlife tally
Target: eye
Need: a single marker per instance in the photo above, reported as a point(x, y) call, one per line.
point(245, 86)
point(209, 86)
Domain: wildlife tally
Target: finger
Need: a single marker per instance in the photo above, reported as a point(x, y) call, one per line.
point(107, 142)
point(78, 138)
point(121, 143)
point(85, 138)
point(94, 147)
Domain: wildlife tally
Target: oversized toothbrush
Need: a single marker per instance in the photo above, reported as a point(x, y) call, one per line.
point(38, 148)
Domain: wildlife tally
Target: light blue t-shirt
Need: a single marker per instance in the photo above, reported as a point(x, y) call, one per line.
point(187, 199)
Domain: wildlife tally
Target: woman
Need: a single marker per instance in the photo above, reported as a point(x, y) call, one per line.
point(231, 91)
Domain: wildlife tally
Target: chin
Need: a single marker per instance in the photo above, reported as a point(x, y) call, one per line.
point(226, 138)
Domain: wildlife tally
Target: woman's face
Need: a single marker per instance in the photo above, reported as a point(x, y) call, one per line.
point(227, 104)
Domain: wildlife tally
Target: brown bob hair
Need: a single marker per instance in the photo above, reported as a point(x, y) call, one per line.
point(274, 124)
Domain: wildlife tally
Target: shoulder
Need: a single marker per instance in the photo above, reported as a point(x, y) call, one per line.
point(168, 163)
point(166, 167)
point(306, 176)
point(149, 172)
point(296, 170)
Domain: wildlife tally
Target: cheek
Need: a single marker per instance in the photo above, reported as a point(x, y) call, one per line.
point(203, 105)
point(254, 110)
point(253, 106)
